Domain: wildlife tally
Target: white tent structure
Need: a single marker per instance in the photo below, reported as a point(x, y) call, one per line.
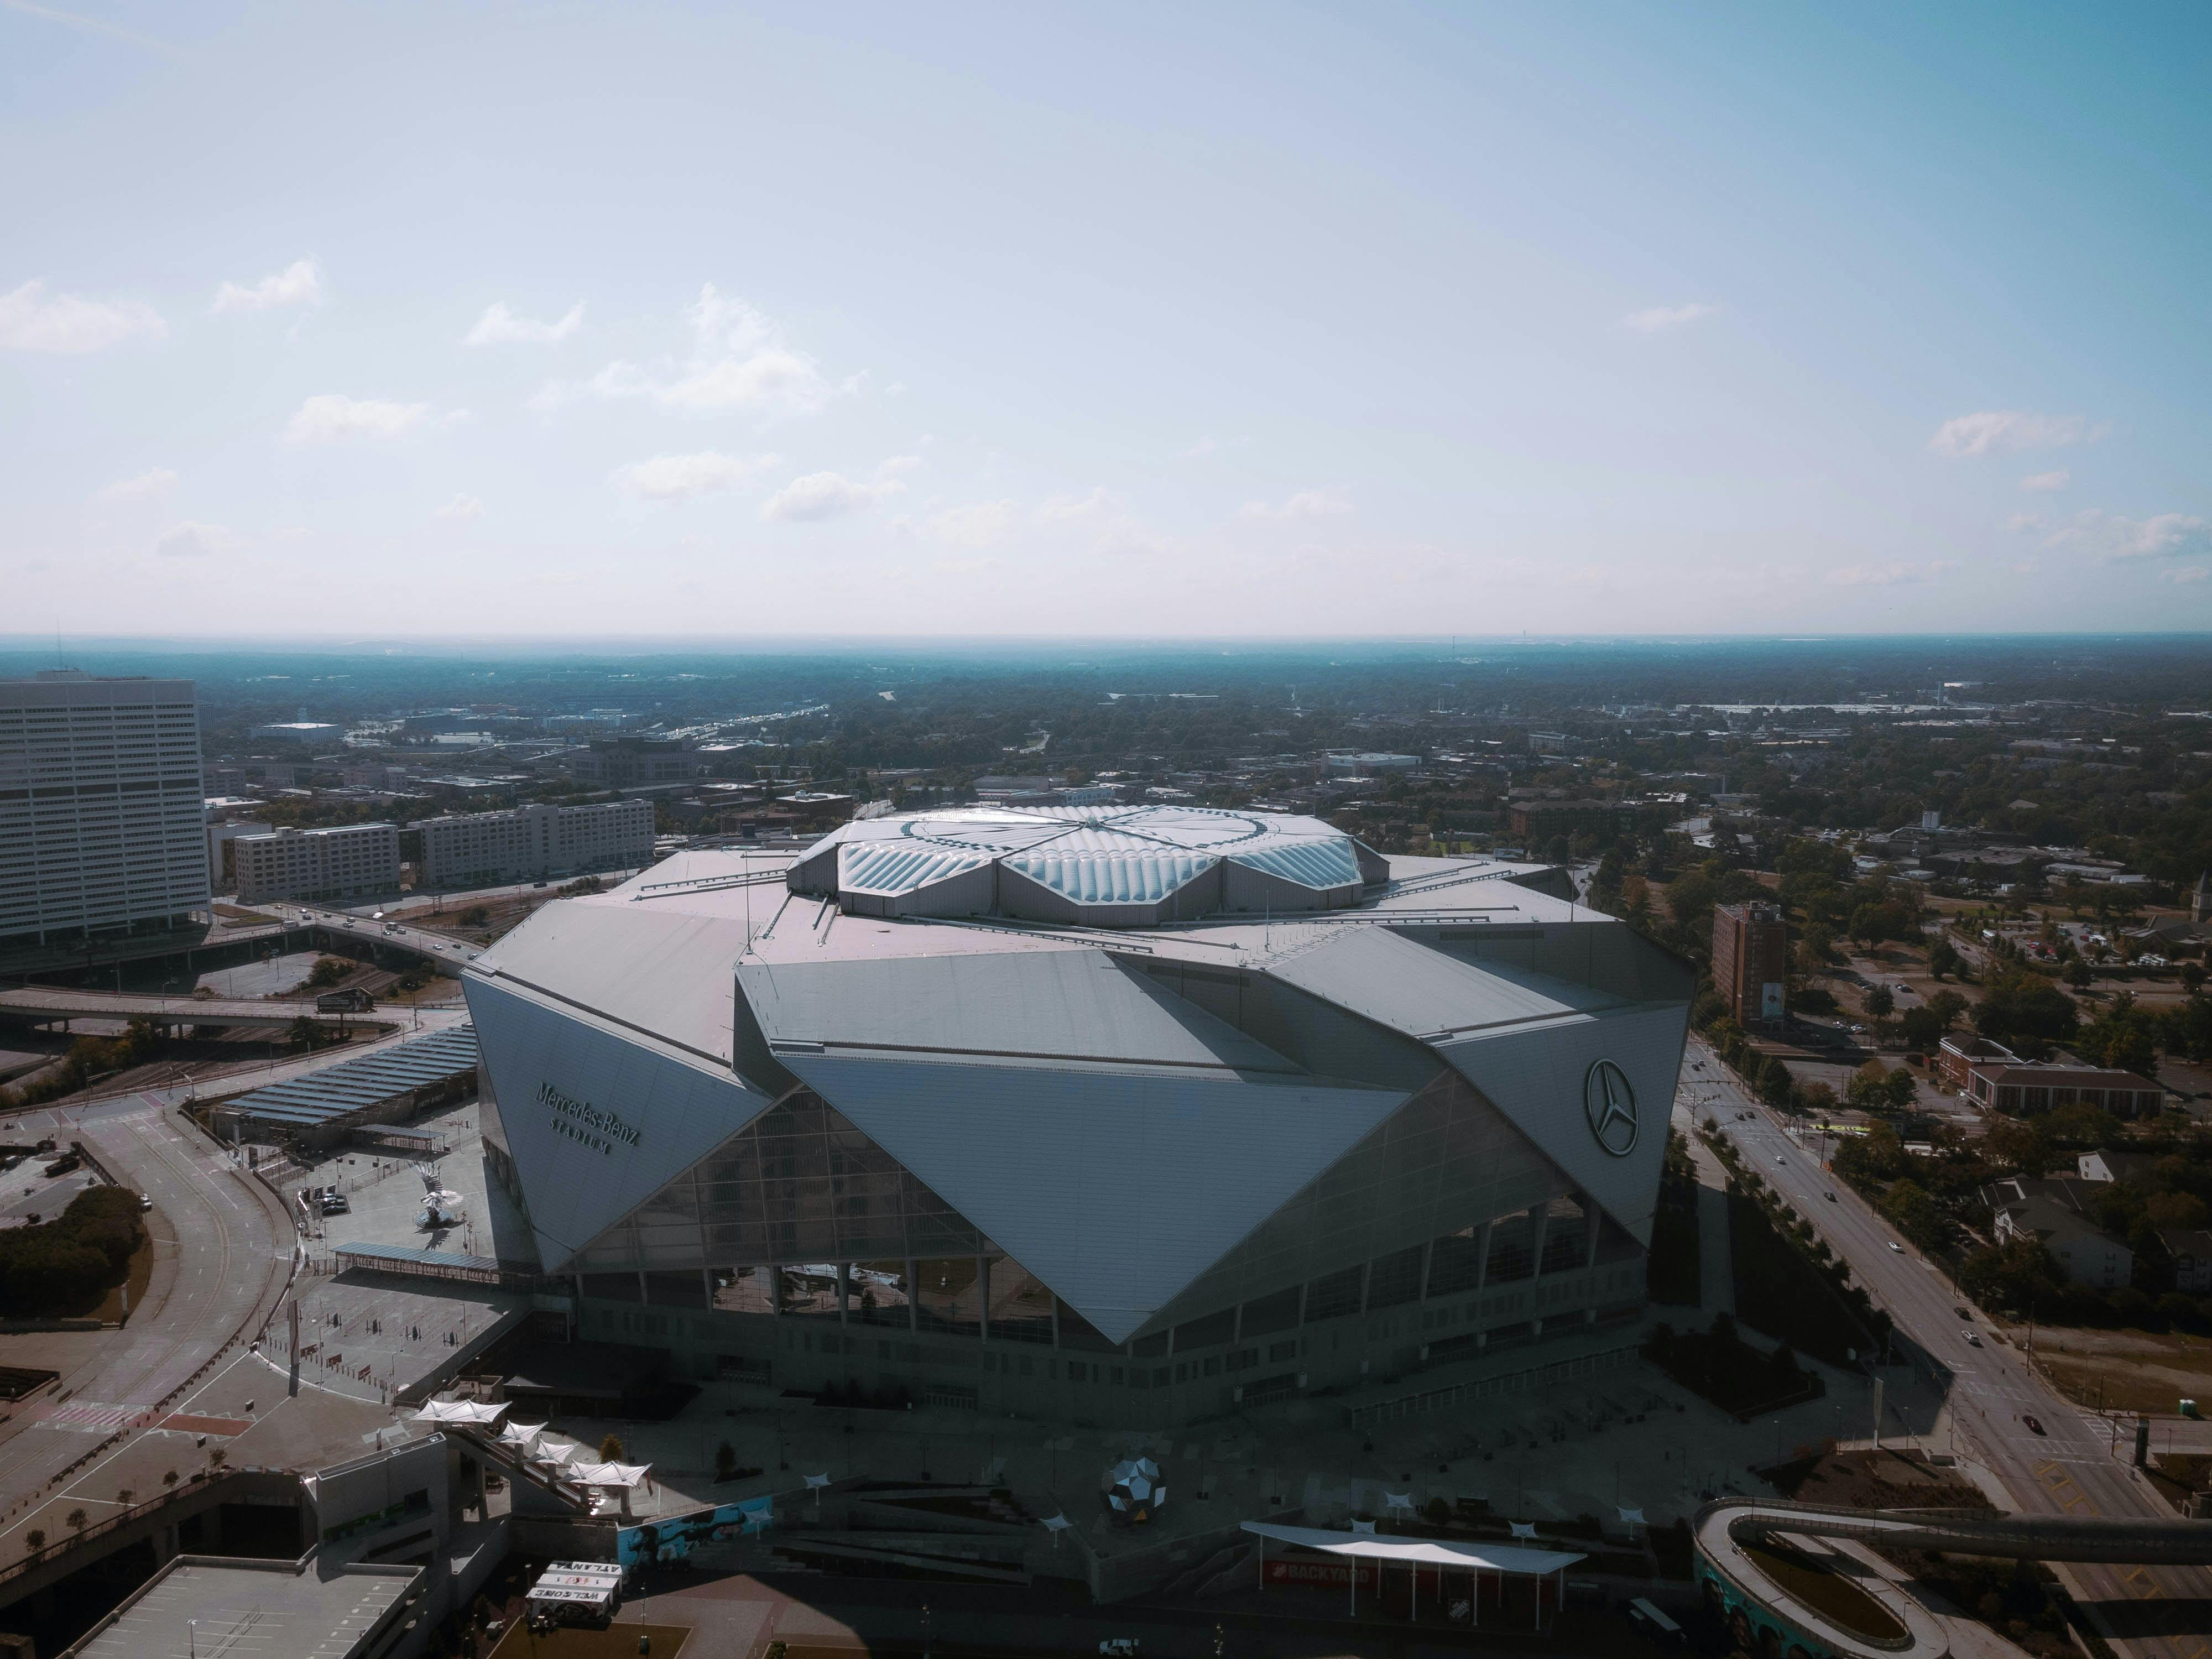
point(1508, 1561)
point(461, 1414)
point(621, 1478)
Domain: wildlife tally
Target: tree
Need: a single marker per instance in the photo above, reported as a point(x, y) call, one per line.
point(2025, 1011)
point(35, 1540)
point(304, 1033)
point(611, 1450)
point(1914, 1213)
point(1879, 1003)
point(75, 1520)
point(2078, 974)
point(124, 1495)
point(725, 1460)
point(170, 1479)
point(1943, 958)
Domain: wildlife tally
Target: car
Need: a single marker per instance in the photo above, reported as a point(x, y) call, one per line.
point(1778, 1158)
point(145, 1201)
point(1972, 1341)
point(2034, 1427)
point(1964, 1313)
point(1858, 1030)
point(1831, 1195)
point(1898, 1248)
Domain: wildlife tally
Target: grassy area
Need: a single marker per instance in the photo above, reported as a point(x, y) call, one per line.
point(2129, 1370)
point(1828, 1593)
point(141, 1271)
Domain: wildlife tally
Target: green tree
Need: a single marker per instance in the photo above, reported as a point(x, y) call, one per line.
point(1943, 958)
point(1879, 1003)
point(2024, 1011)
point(1914, 1213)
point(611, 1450)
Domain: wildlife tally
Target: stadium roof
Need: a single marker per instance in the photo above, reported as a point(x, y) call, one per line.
point(355, 1085)
point(1111, 866)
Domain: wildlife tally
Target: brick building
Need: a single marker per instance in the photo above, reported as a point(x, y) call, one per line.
point(1751, 960)
point(1996, 1079)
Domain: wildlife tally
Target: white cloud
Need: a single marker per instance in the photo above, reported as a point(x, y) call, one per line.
point(897, 466)
point(2026, 521)
point(158, 482)
point(194, 541)
point(332, 414)
point(1306, 504)
point(1202, 449)
point(2046, 482)
point(462, 507)
point(2118, 540)
point(1659, 318)
point(300, 283)
point(32, 321)
point(1895, 572)
point(673, 477)
point(2195, 573)
point(1066, 509)
point(825, 495)
point(1964, 436)
point(980, 524)
point(499, 327)
point(740, 362)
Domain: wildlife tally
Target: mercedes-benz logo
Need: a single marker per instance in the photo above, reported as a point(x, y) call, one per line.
point(1610, 1105)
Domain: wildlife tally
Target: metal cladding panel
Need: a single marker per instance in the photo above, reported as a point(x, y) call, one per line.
point(1545, 1081)
point(1115, 1188)
point(1076, 1004)
point(1393, 980)
point(642, 963)
point(596, 1121)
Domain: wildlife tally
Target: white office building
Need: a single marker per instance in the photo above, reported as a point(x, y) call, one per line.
point(100, 820)
point(353, 861)
point(532, 843)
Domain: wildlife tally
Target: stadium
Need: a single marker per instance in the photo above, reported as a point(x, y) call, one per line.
point(1130, 1114)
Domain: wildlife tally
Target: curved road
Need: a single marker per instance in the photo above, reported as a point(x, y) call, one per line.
point(2072, 1469)
point(233, 1248)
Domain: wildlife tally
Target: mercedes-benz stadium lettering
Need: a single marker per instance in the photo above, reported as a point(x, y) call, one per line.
point(1117, 1113)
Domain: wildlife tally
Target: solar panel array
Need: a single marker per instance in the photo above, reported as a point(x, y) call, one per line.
point(357, 1084)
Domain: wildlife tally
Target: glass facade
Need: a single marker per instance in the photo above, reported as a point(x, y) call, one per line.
point(813, 1222)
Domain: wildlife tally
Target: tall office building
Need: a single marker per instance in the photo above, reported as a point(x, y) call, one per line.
point(100, 805)
point(476, 849)
point(1751, 960)
point(353, 861)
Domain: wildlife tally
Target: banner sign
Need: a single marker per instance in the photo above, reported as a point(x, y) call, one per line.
point(671, 1539)
point(1329, 1574)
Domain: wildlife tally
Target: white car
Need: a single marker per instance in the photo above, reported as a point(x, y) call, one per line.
point(1972, 1341)
point(1898, 1248)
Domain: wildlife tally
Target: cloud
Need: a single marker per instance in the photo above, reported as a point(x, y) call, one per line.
point(194, 541)
point(673, 477)
point(462, 507)
point(32, 321)
point(2044, 482)
point(2020, 522)
point(2117, 539)
point(1659, 318)
point(300, 283)
point(897, 466)
point(1202, 449)
point(980, 524)
point(825, 495)
point(499, 327)
point(2195, 573)
point(1306, 504)
point(740, 362)
point(1895, 572)
point(158, 482)
point(1966, 436)
point(1067, 509)
point(330, 415)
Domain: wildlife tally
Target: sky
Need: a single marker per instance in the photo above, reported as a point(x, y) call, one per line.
point(648, 319)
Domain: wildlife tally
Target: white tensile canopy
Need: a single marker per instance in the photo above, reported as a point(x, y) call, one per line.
point(462, 1414)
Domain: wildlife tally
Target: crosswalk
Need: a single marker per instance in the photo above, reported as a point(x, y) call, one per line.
point(89, 1417)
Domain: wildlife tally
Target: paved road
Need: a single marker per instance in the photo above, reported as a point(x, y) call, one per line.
point(233, 1254)
point(2070, 1469)
point(41, 1002)
point(446, 950)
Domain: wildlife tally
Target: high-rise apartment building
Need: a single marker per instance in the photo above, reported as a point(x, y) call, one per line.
point(352, 861)
point(101, 813)
point(1751, 960)
point(529, 843)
